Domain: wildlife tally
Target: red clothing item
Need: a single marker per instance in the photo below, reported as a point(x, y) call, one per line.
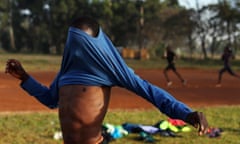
point(176, 122)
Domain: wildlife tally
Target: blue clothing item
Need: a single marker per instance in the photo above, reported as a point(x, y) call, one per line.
point(45, 95)
point(94, 61)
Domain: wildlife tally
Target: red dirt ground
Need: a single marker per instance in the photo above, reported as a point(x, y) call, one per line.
point(200, 90)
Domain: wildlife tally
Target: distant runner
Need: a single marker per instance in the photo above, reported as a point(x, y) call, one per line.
point(170, 56)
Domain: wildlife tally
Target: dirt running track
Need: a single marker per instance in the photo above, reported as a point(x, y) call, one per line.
point(199, 91)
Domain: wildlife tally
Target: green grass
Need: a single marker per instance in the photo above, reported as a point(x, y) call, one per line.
point(158, 63)
point(38, 62)
point(38, 128)
point(33, 62)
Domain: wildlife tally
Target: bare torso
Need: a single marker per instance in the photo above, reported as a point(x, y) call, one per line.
point(81, 112)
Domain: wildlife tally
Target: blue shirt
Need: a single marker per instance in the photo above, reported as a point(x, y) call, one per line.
point(95, 61)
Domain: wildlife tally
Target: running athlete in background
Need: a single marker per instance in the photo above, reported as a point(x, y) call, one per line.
point(171, 56)
point(90, 67)
point(226, 57)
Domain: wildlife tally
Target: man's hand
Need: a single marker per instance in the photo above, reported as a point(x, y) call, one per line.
point(199, 121)
point(14, 68)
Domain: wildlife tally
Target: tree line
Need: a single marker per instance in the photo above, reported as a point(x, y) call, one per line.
point(41, 26)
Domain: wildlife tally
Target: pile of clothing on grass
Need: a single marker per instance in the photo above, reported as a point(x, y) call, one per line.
point(165, 128)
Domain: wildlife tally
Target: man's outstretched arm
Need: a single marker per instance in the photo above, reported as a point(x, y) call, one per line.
point(45, 95)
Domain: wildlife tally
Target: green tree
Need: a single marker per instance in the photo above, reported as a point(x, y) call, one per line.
point(227, 17)
point(6, 26)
